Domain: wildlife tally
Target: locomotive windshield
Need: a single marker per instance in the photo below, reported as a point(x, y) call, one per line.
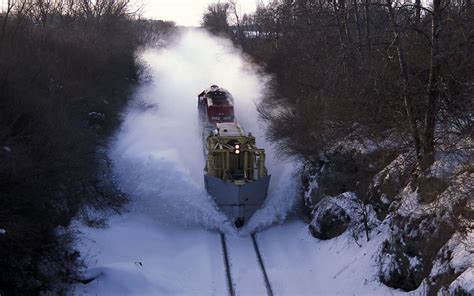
point(218, 97)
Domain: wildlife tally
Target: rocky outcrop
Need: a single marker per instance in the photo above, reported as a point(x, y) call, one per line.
point(329, 219)
point(424, 216)
point(333, 215)
point(387, 183)
point(420, 245)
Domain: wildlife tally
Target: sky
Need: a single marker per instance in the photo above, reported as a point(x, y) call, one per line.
point(184, 12)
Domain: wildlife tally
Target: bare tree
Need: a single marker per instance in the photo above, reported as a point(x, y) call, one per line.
point(10, 5)
point(433, 87)
point(407, 96)
point(216, 18)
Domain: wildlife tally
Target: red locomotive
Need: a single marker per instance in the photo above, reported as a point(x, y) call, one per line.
point(215, 105)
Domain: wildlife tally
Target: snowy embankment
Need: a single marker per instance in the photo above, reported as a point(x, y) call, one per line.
point(299, 264)
point(168, 243)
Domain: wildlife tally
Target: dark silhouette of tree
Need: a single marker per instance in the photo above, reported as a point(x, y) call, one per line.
point(215, 19)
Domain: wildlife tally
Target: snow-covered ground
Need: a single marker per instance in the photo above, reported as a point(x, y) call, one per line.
point(168, 242)
point(299, 264)
point(136, 255)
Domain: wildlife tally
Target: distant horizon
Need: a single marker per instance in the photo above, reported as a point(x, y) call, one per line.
point(187, 13)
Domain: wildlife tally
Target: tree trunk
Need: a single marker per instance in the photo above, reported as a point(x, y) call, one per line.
point(10, 5)
point(367, 25)
point(339, 25)
point(359, 38)
point(345, 21)
point(417, 12)
point(339, 12)
point(433, 89)
point(407, 99)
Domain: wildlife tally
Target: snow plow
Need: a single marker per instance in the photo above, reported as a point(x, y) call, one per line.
point(235, 173)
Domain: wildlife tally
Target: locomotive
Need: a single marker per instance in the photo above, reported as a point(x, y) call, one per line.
point(235, 174)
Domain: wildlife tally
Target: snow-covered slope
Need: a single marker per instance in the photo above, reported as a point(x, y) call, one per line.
point(299, 264)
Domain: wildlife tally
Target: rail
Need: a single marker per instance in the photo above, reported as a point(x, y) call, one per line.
point(230, 282)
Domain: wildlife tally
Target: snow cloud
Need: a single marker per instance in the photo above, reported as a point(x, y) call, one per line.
point(158, 156)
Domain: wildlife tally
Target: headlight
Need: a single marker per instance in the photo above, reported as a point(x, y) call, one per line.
point(237, 146)
point(237, 151)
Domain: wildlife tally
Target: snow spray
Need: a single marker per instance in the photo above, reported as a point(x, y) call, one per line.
point(157, 154)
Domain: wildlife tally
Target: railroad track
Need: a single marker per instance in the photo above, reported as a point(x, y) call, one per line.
point(231, 283)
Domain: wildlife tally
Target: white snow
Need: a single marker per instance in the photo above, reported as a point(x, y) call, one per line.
point(178, 260)
point(244, 266)
point(409, 203)
point(137, 255)
point(299, 264)
point(465, 281)
point(463, 251)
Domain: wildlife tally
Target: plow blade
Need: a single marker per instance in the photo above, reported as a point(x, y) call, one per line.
point(238, 202)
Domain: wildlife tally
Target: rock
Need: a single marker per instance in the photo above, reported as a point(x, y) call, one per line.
point(329, 219)
point(387, 184)
point(400, 268)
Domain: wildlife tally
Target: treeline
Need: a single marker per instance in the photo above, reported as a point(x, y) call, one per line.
point(370, 68)
point(66, 69)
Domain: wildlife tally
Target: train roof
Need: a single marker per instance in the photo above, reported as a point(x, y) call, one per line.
point(217, 95)
point(230, 129)
point(216, 88)
point(214, 91)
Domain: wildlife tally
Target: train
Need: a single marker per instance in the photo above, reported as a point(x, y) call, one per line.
point(235, 175)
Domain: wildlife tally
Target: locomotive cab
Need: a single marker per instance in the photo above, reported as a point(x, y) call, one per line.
point(215, 104)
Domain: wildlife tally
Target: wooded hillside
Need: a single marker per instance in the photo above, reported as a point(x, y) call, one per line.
point(66, 69)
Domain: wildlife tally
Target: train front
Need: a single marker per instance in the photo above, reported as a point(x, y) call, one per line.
point(235, 173)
